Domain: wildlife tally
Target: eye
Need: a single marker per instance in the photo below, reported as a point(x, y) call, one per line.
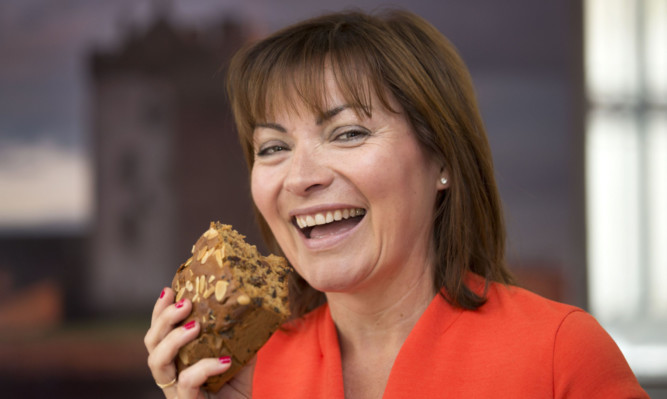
point(351, 135)
point(271, 149)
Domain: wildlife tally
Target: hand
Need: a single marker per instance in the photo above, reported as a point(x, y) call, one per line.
point(164, 339)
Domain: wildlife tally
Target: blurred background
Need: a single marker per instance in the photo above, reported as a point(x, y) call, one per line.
point(117, 148)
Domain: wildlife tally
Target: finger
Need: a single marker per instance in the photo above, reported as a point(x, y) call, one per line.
point(241, 385)
point(166, 298)
point(165, 322)
point(191, 379)
point(161, 359)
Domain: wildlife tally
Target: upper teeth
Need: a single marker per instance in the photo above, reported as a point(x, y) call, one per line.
point(328, 217)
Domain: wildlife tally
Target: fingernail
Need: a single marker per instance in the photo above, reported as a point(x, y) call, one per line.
point(189, 324)
point(162, 294)
point(225, 360)
point(180, 303)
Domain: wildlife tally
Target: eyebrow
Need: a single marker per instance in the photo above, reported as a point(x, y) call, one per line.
point(331, 113)
point(325, 117)
point(273, 126)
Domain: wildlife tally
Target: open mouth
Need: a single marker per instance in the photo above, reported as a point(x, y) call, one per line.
point(328, 223)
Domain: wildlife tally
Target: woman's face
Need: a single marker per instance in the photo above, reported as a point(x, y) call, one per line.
point(349, 199)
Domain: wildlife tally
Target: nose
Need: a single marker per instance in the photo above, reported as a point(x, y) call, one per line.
point(308, 171)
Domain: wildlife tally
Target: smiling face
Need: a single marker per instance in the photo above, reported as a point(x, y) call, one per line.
point(349, 198)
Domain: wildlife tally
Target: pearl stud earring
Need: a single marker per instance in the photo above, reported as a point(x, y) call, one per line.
point(443, 180)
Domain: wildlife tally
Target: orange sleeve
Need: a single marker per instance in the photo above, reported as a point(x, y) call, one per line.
point(588, 363)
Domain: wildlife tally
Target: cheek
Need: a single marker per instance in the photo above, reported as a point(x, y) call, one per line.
point(370, 168)
point(399, 181)
point(386, 173)
point(265, 187)
point(260, 191)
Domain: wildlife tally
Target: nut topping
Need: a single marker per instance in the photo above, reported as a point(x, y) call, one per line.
point(201, 254)
point(220, 289)
point(206, 255)
point(184, 357)
point(209, 291)
point(218, 257)
point(202, 284)
point(211, 233)
point(243, 299)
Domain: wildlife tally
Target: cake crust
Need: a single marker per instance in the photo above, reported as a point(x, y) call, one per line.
point(238, 296)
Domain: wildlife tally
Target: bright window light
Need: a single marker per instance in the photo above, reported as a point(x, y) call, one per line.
point(626, 175)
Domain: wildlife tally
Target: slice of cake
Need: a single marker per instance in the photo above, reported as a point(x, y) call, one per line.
point(238, 296)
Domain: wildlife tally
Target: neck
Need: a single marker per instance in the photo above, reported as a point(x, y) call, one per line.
point(372, 327)
point(384, 317)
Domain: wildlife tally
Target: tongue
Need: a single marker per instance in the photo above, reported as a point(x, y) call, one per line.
point(333, 228)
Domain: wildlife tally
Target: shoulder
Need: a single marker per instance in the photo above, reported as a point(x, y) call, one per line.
point(519, 302)
point(585, 360)
point(510, 301)
point(588, 363)
point(561, 327)
point(515, 324)
point(519, 309)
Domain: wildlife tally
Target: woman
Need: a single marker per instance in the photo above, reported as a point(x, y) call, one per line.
point(372, 174)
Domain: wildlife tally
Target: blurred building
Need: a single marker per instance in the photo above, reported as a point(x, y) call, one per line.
point(167, 159)
point(167, 162)
point(39, 276)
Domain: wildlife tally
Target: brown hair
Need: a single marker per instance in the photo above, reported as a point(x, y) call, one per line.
point(401, 55)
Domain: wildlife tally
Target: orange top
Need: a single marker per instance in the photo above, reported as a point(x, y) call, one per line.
point(517, 345)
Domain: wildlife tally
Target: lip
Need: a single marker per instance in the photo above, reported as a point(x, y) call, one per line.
point(329, 242)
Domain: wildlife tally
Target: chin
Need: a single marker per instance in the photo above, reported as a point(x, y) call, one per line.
point(333, 279)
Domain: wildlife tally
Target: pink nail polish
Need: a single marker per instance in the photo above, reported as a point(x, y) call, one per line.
point(180, 303)
point(162, 294)
point(189, 325)
point(225, 360)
